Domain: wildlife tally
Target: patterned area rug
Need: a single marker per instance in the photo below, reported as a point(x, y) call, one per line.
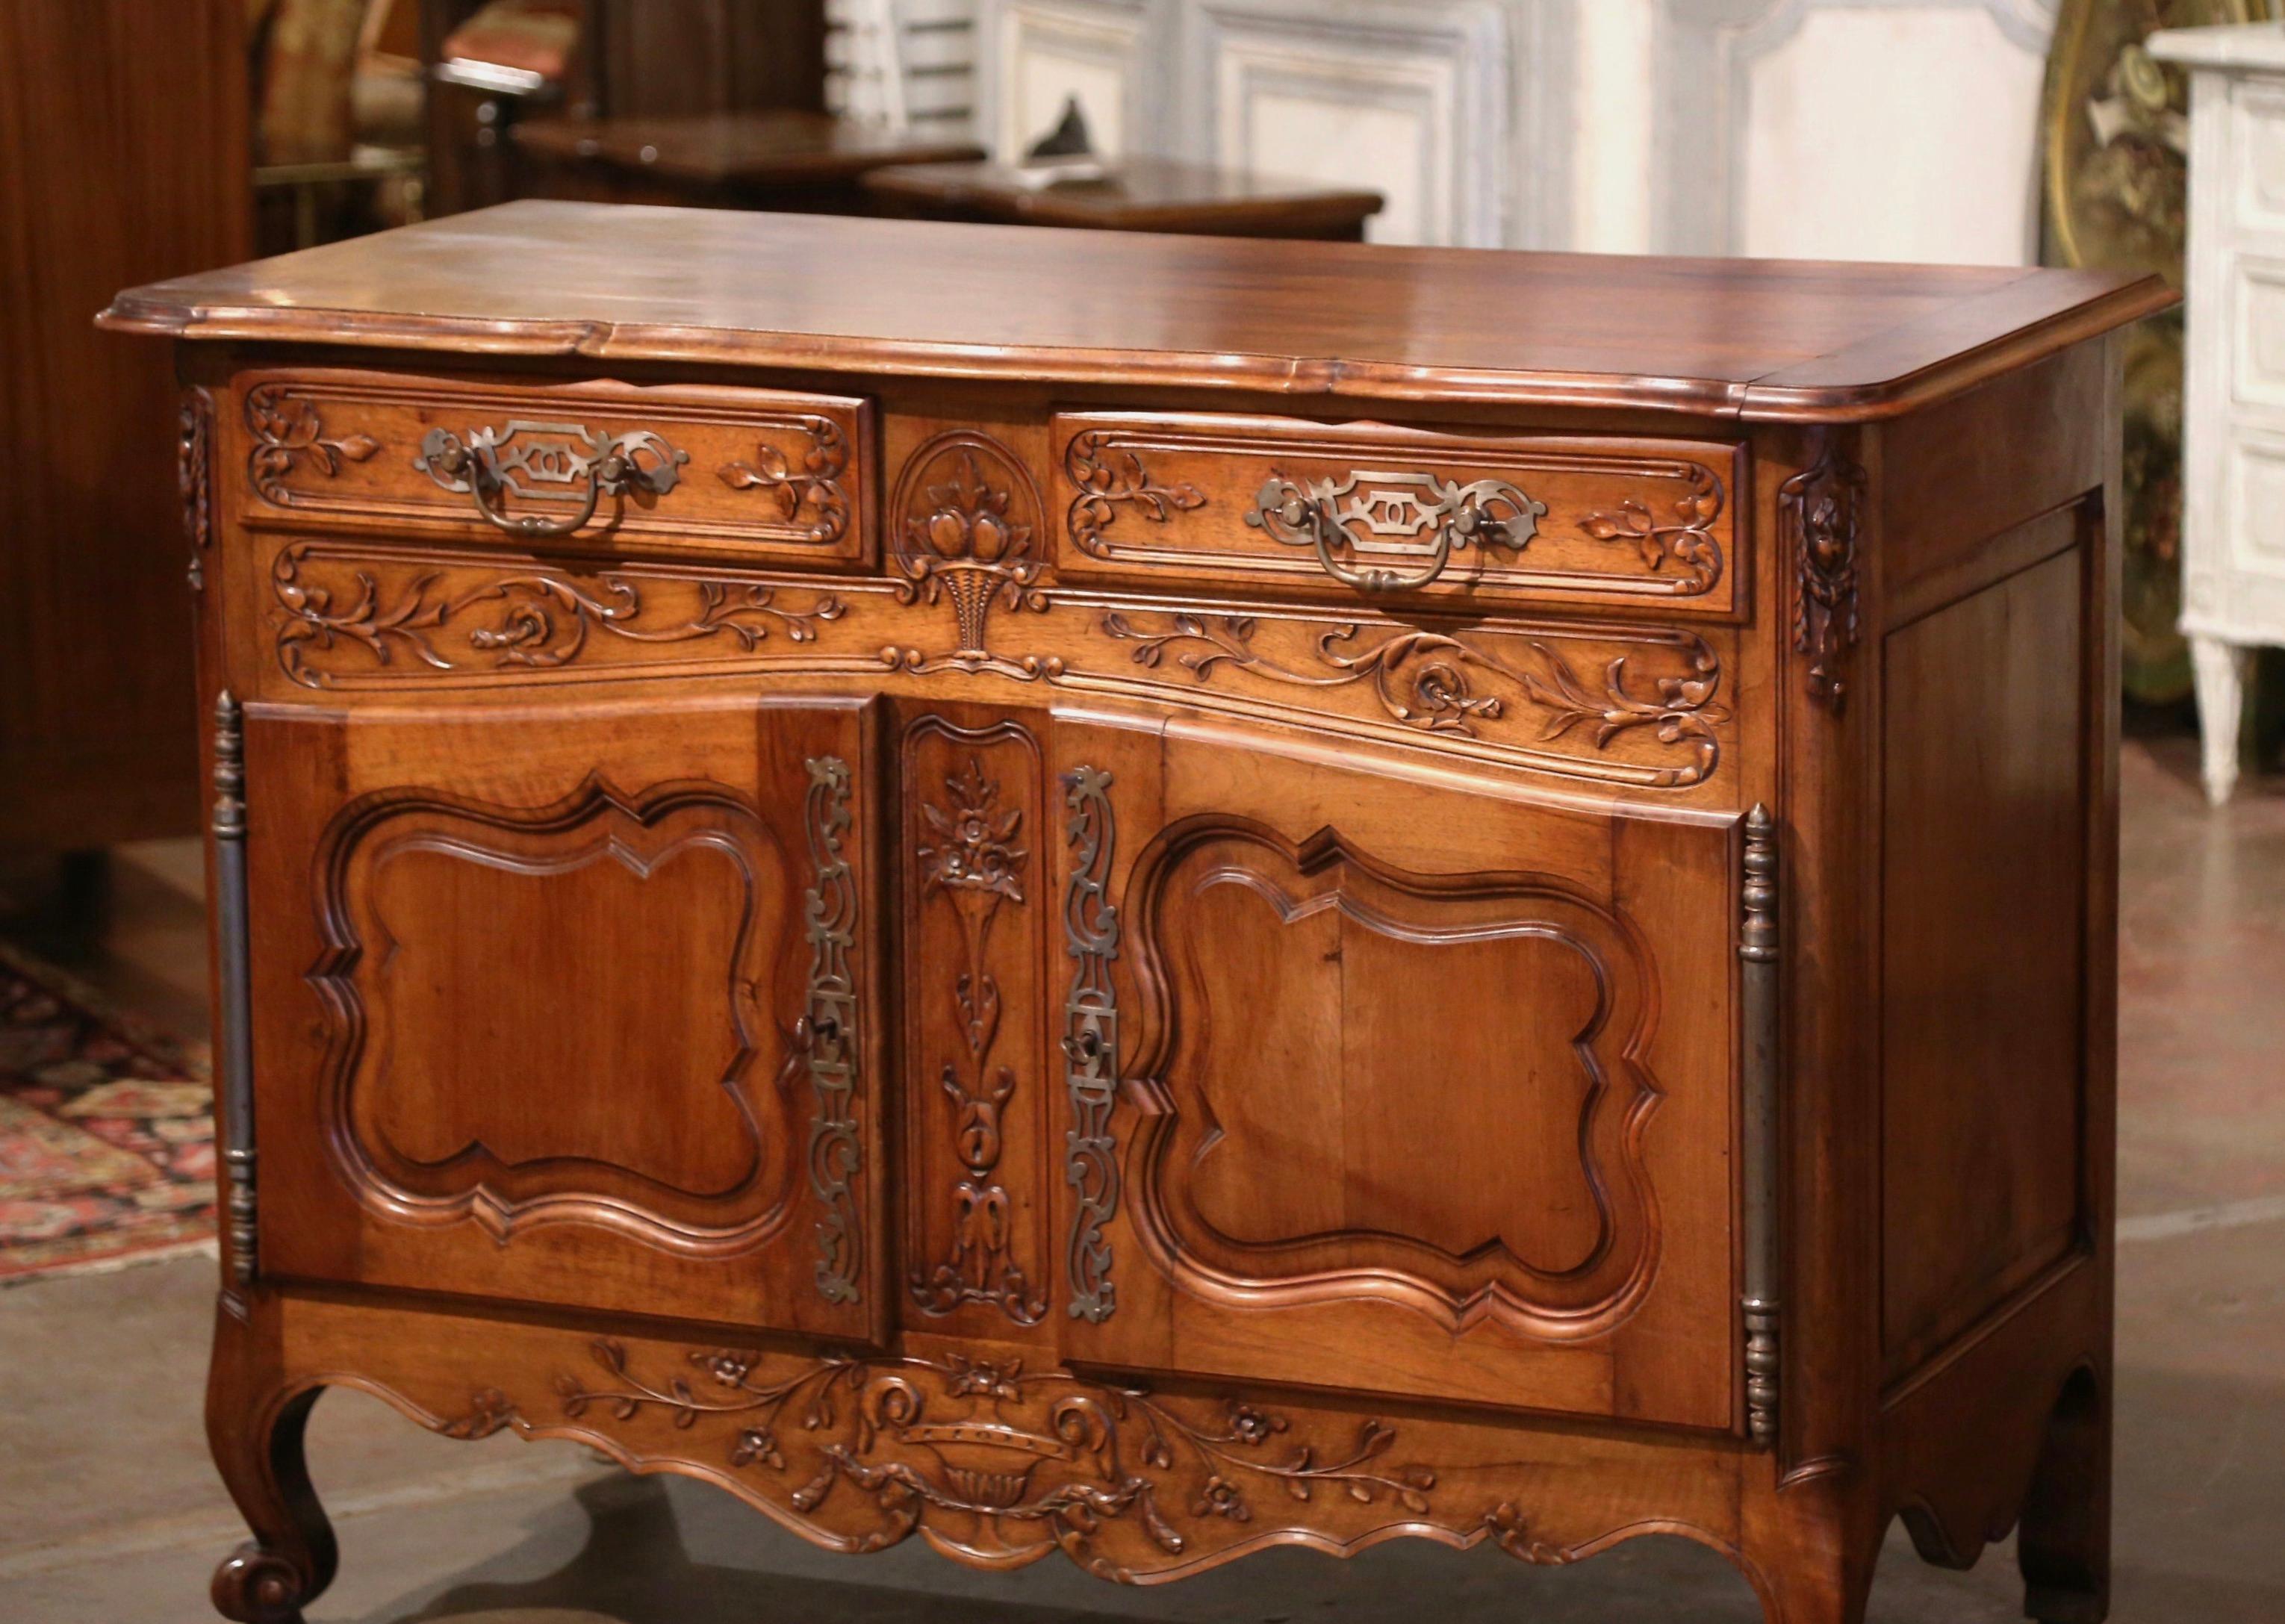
point(106, 1131)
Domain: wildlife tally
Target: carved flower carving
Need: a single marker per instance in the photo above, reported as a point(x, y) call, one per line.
point(969, 521)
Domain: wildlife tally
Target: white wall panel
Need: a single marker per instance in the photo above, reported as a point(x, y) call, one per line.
point(1829, 128)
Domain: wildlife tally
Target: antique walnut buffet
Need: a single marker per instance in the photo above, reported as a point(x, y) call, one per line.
point(1159, 896)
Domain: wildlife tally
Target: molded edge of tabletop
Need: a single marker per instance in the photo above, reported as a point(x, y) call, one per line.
point(1887, 373)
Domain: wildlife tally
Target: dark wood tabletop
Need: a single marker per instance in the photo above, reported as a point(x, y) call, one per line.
point(749, 149)
point(1137, 195)
point(1769, 339)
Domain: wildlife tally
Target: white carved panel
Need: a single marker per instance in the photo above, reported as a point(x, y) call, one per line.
point(2256, 502)
point(1457, 111)
point(2258, 121)
point(1849, 128)
point(1413, 99)
point(2257, 369)
point(1108, 55)
point(1454, 111)
point(1835, 129)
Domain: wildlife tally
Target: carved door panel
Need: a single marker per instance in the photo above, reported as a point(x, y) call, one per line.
point(1416, 1090)
point(573, 1002)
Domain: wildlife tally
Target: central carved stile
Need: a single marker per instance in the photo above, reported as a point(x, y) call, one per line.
point(974, 866)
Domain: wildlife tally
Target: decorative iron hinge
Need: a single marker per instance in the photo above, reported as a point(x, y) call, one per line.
point(234, 977)
point(1091, 1042)
point(827, 1031)
point(1758, 951)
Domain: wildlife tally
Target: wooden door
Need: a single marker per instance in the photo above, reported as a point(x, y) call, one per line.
point(572, 1001)
point(1394, 1084)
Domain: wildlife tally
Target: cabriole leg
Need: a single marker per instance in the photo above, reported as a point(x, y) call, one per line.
point(255, 1428)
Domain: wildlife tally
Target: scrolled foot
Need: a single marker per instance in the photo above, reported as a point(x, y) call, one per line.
point(254, 1586)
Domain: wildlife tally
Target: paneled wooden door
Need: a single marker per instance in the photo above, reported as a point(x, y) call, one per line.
point(1413, 1089)
point(575, 1001)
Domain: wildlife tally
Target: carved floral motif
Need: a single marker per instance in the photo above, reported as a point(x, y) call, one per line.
point(1819, 509)
point(1423, 679)
point(816, 484)
point(826, 1036)
point(1091, 1040)
point(194, 476)
point(1111, 477)
point(1044, 1460)
point(967, 524)
point(288, 434)
point(534, 619)
point(976, 867)
point(1686, 541)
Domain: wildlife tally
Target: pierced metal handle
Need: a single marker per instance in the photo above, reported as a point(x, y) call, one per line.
point(1408, 514)
point(489, 464)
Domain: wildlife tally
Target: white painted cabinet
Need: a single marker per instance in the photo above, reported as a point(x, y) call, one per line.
point(2234, 387)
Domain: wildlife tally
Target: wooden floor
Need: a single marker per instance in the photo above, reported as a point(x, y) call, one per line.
point(103, 1372)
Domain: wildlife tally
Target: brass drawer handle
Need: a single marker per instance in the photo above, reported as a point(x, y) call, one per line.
point(1409, 516)
point(527, 458)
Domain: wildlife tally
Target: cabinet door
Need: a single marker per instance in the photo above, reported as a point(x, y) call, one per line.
point(572, 1003)
point(1393, 1085)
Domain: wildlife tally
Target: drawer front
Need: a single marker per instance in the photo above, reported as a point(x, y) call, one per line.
point(745, 472)
point(1368, 511)
point(1585, 701)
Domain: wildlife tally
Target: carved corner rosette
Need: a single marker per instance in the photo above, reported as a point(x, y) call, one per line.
point(815, 485)
point(1111, 477)
point(966, 530)
point(194, 476)
point(975, 866)
point(826, 1034)
point(289, 435)
point(1091, 1040)
point(1820, 513)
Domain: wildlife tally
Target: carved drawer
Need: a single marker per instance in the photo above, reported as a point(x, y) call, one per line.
point(1370, 512)
point(753, 474)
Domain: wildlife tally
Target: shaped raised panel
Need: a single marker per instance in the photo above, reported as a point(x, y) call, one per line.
point(2253, 493)
point(1327, 1029)
point(2257, 114)
point(2258, 357)
point(454, 1092)
point(573, 1003)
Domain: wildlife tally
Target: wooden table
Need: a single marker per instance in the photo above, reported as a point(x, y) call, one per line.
point(772, 160)
point(1154, 896)
point(1140, 194)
